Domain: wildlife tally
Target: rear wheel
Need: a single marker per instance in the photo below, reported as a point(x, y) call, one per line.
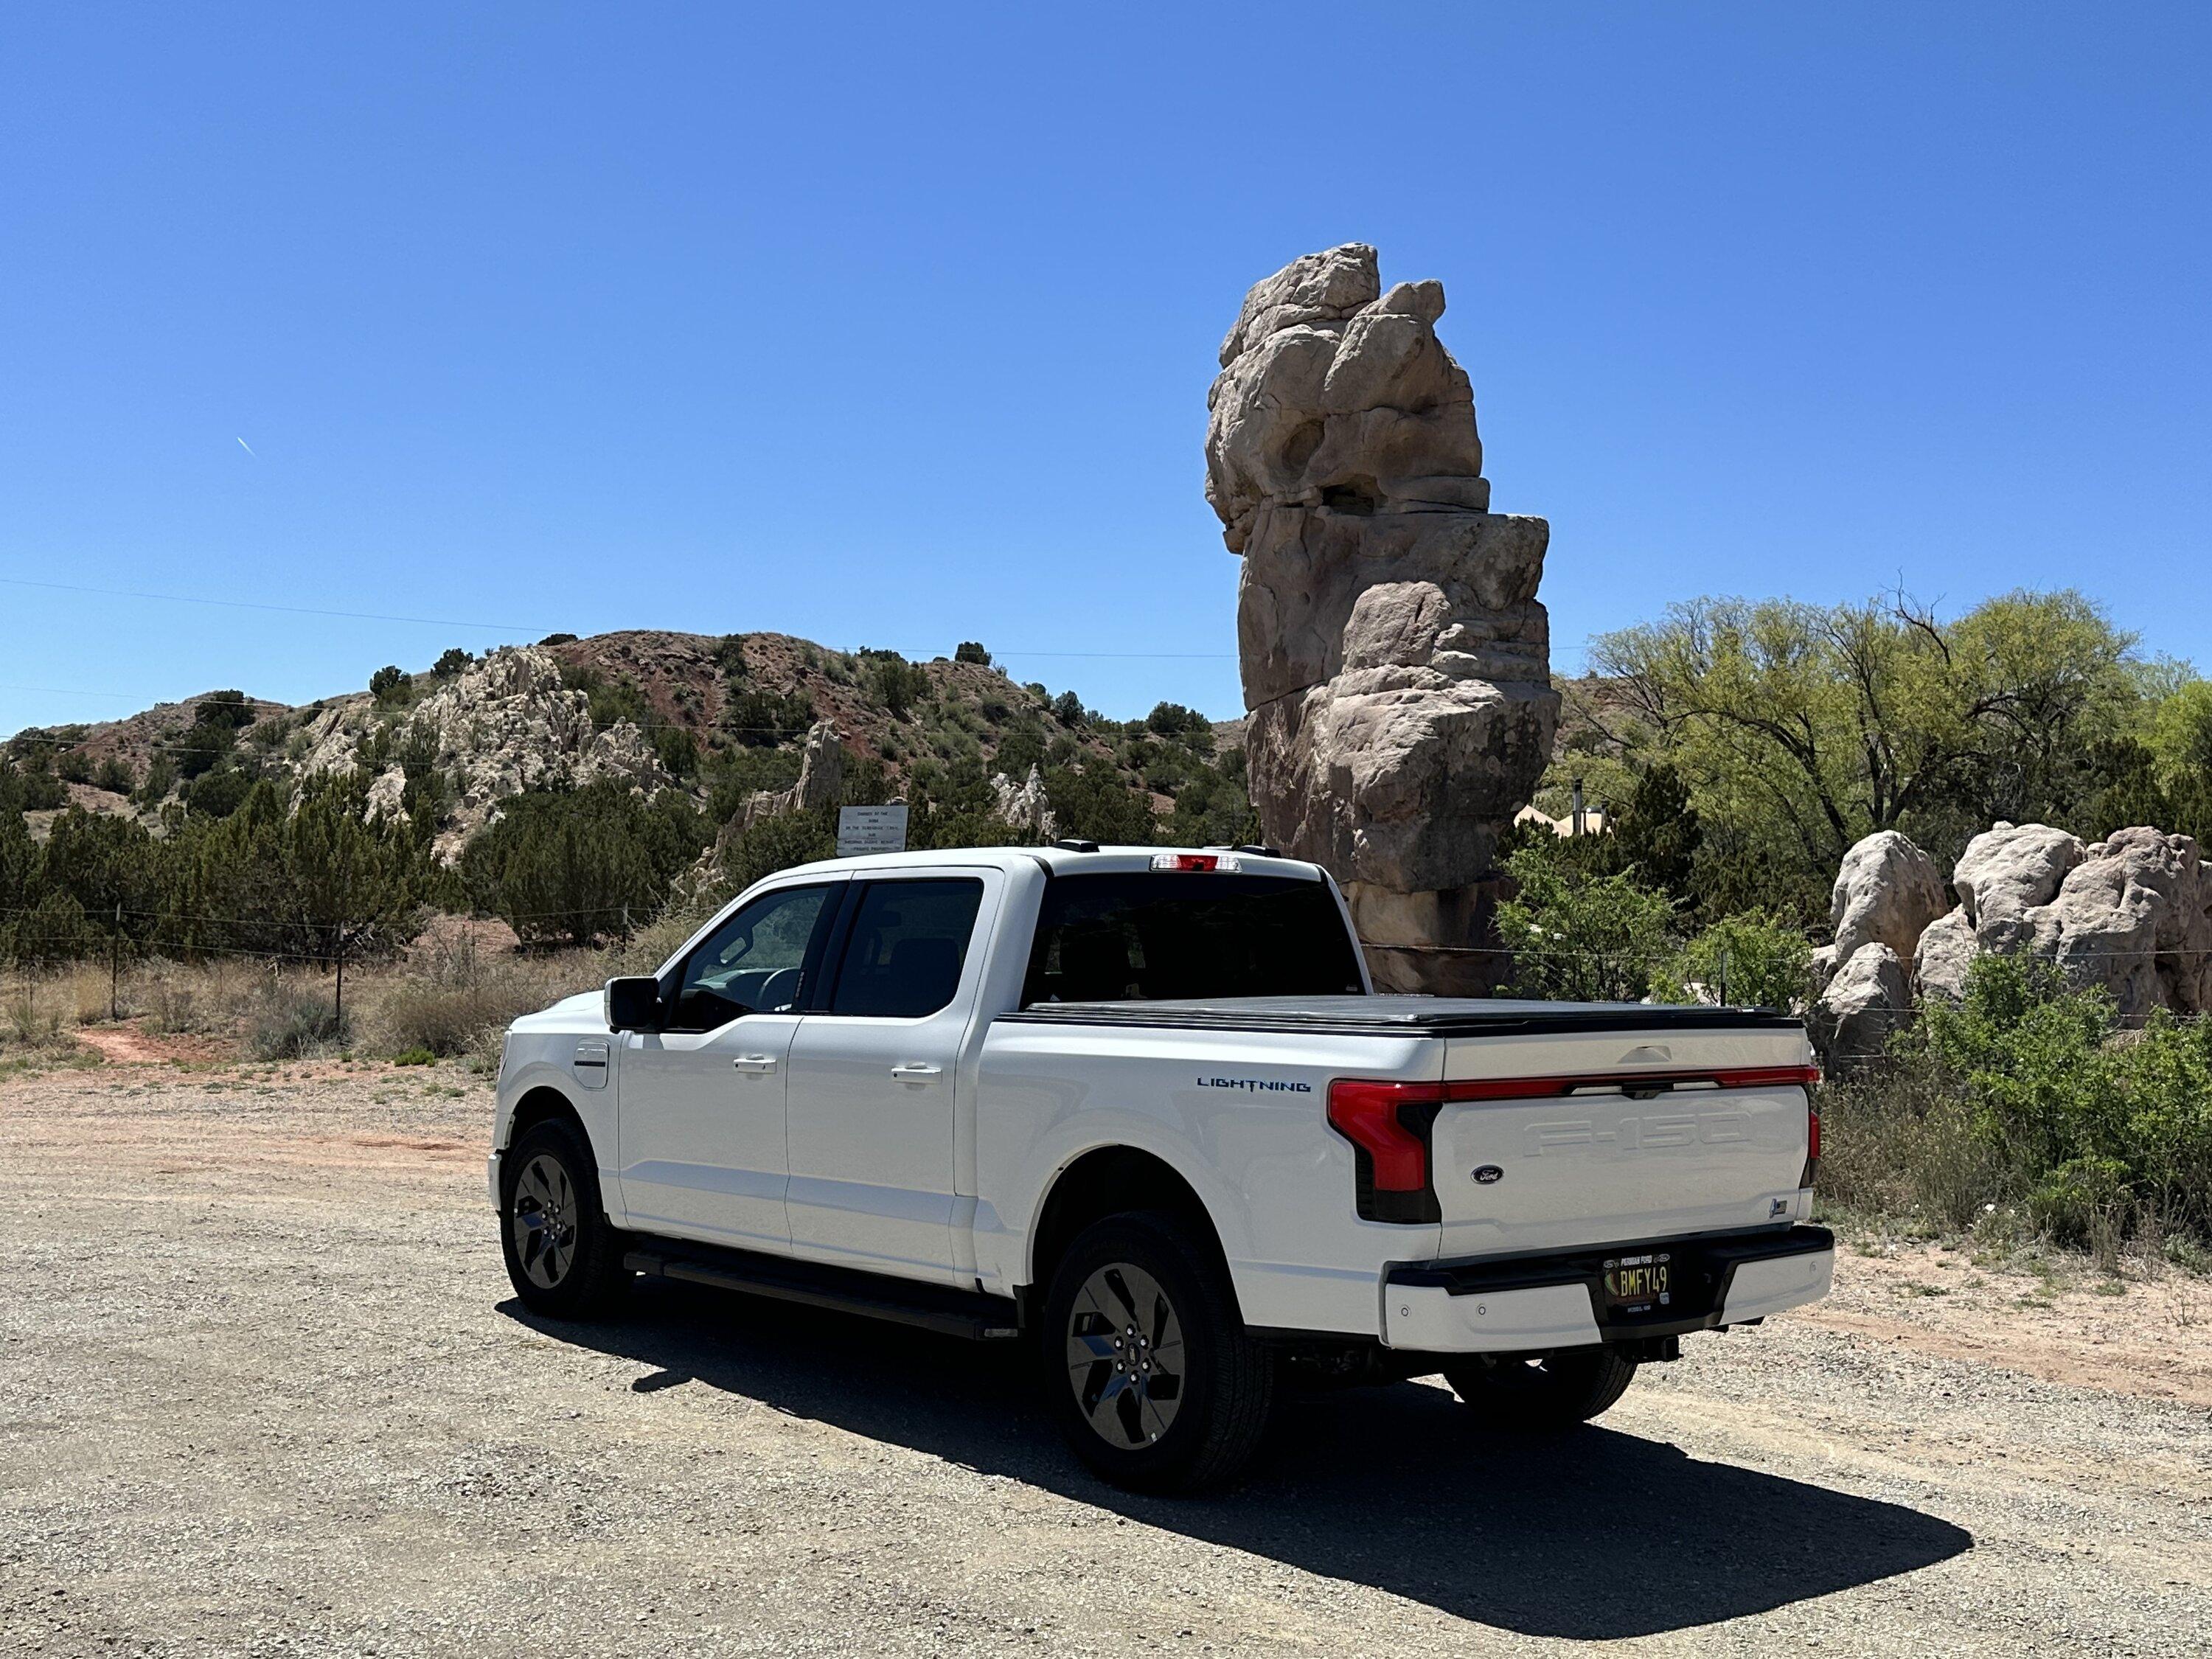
point(1553, 1390)
point(563, 1258)
point(1147, 1366)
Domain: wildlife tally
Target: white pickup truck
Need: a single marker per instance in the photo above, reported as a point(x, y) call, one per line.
point(1143, 1108)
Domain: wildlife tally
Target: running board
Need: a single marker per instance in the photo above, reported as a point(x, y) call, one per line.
point(929, 1307)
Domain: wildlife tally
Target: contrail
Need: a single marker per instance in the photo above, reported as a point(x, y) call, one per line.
point(247, 448)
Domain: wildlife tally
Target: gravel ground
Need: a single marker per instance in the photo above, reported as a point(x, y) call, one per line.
point(265, 1391)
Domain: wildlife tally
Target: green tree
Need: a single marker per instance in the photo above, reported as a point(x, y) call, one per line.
point(970, 651)
point(1800, 728)
point(451, 662)
point(1091, 799)
point(388, 685)
point(1579, 936)
point(1754, 960)
point(569, 865)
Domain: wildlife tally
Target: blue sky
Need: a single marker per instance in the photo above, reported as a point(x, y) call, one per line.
point(894, 326)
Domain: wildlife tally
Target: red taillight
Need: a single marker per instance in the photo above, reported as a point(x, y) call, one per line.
point(1548, 1088)
point(1388, 1125)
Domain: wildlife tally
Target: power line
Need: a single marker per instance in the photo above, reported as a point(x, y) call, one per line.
point(518, 629)
point(255, 604)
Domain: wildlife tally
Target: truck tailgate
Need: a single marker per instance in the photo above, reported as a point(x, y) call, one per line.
point(1552, 1142)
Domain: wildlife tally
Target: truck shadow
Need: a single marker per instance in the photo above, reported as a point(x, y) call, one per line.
point(1596, 1534)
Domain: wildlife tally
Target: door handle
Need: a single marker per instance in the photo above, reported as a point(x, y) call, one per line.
point(755, 1062)
point(916, 1072)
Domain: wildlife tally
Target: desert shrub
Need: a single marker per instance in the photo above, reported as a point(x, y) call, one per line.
point(893, 682)
point(2028, 1094)
point(1579, 936)
point(1904, 1143)
point(971, 651)
point(115, 776)
point(388, 685)
point(415, 1057)
point(643, 952)
point(171, 1000)
point(558, 639)
point(777, 843)
point(451, 662)
point(296, 1023)
point(30, 1018)
point(762, 720)
point(677, 750)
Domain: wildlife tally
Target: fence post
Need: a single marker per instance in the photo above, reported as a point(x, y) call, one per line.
point(337, 1004)
point(115, 966)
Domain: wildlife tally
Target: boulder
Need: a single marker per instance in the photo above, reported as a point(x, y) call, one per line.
point(1947, 950)
point(1395, 660)
point(1887, 892)
point(2008, 870)
point(2130, 919)
point(1868, 999)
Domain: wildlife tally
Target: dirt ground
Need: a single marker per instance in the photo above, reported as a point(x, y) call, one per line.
point(264, 1390)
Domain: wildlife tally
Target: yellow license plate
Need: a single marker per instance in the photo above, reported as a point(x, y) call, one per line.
point(1638, 1281)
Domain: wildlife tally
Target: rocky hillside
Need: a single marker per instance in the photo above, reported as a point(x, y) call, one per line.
point(718, 718)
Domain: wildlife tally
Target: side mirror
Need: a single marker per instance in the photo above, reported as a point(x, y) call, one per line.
point(633, 1004)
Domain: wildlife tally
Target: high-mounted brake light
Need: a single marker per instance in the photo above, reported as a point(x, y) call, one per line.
point(1388, 1125)
point(1199, 861)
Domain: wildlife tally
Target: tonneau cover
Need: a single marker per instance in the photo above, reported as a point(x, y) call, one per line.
point(1406, 1016)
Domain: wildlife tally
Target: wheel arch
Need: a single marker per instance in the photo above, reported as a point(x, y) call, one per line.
point(542, 1104)
point(1109, 1181)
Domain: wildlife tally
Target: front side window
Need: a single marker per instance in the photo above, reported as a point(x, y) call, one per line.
point(756, 963)
point(908, 941)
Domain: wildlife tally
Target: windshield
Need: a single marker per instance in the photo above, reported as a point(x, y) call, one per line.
point(1143, 936)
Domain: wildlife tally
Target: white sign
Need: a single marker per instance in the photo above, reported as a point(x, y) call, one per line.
point(871, 829)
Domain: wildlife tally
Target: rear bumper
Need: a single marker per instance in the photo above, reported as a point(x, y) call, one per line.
point(1514, 1303)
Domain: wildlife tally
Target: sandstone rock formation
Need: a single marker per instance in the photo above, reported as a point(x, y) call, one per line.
point(821, 783)
point(2008, 870)
point(502, 726)
point(1023, 805)
point(1396, 660)
point(1886, 892)
point(1868, 999)
point(2130, 919)
point(2131, 916)
point(1947, 950)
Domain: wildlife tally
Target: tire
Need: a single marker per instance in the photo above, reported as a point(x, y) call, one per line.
point(1553, 1390)
point(1154, 1277)
point(563, 1258)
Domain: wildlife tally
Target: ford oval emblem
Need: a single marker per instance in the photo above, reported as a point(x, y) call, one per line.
point(1485, 1174)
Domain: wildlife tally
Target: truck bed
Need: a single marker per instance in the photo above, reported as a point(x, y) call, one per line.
point(1407, 1015)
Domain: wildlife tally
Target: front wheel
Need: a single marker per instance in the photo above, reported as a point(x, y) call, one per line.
point(563, 1258)
point(1147, 1366)
point(1552, 1390)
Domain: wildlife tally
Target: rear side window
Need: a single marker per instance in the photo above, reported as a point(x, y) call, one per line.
point(903, 956)
point(1142, 936)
